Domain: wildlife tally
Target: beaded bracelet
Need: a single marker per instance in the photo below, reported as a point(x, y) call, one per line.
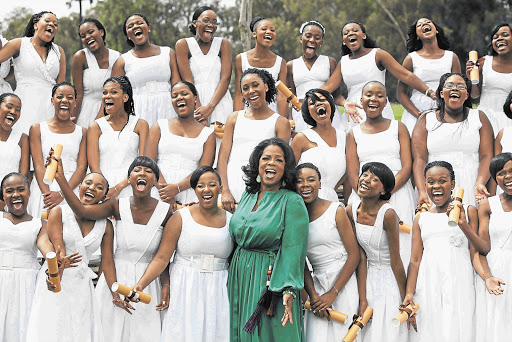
point(178, 185)
point(291, 292)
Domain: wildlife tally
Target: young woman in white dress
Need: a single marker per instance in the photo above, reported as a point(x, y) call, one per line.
point(14, 149)
point(91, 67)
point(494, 268)
point(205, 61)
point(322, 145)
point(73, 312)
point(57, 130)
point(113, 141)
point(380, 275)
point(428, 58)
point(247, 128)
point(440, 277)
point(386, 141)
point(199, 307)
point(180, 145)
point(20, 237)
point(260, 57)
point(38, 65)
point(310, 70)
point(362, 62)
point(139, 223)
point(334, 256)
point(152, 69)
point(495, 77)
point(457, 134)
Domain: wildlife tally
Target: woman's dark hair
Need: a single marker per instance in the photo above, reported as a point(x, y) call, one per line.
point(146, 162)
point(265, 76)
point(312, 96)
point(9, 175)
point(106, 181)
point(385, 175)
point(201, 170)
point(96, 23)
point(30, 31)
point(440, 163)
point(195, 16)
point(495, 30)
point(190, 86)
point(314, 23)
point(252, 25)
point(60, 84)
point(6, 95)
point(506, 106)
point(128, 41)
point(369, 42)
point(440, 100)
point(309, 166)
point(251, 171)
point(498, 163)
point(415, 44)
point(126, 87)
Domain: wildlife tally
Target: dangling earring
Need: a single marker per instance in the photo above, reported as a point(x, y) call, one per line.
point(284, 183)
point(258, 179)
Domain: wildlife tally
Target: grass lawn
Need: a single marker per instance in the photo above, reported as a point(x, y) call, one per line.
point(398, 110)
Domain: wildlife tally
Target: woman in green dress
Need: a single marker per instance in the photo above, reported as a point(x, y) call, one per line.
point(270, 227)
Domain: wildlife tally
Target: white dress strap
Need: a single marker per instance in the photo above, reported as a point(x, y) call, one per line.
point(104, 125)
point(379, 220)
point(495, 205)
point(245, 61)
point(92, 62)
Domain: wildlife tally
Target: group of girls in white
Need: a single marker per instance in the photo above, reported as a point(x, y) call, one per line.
point(216, 227)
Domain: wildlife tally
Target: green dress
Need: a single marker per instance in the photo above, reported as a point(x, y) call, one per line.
point(277, 230)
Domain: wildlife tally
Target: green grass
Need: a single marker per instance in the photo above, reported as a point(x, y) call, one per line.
point(398, 110)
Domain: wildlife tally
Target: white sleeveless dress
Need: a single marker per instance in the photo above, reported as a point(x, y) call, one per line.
point(382, 290)
point(92, 80)
point(306, 79)
point(457, 143)
point(10, 154)
point(495, 88)
point(274, 71)
point(71, 149)
point(178, 157)
point(199, 309)
point(429, 71)
point(136, 245)
point(384, 147)
point(206, 71)
point(72, 313)
point(331, 161)
point(246, 135)
point(18, 274)
point(34, 82)
point(445, 286)
point(117, 149)
point(5, 67)
point(150, 78)
point(493, 313)
point(356, 73)
point(328, 255)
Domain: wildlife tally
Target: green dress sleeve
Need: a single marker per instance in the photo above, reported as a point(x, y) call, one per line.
point(288, 271)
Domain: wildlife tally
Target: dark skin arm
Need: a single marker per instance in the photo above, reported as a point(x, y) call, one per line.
point(77, 72)
point(228, 202)
point(414, 263)
point(392, 232)
point(420, 158)
point(486, 152)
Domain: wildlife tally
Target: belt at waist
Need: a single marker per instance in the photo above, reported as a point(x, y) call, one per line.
point(152, 87)
point(457, 159)
point(331, 265)
point(17, 259)
point(380, 267)
point(206, 263)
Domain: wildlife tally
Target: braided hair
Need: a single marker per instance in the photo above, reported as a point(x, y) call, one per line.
point(30, 31)
point(270, 95)
point(126, 87)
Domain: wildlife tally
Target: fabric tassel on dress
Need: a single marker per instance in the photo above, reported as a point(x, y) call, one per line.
point(266, 302)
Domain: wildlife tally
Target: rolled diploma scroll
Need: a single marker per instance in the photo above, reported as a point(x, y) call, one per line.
point(453, 217)
point(127, 292)
point(44, 215)
point(404, 315)
point(352, 332)
point(53, 270)
point(407, 228)
point(337, 316)
point(474, 74)
point(49, 175)
point(292, 125)
point(290, 97)
point(218, 129)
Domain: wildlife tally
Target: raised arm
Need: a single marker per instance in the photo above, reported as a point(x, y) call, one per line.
point(11, 49)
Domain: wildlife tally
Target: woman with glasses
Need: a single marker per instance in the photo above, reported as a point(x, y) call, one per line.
point(455, 133)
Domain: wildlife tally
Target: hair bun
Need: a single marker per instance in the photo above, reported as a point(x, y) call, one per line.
point(254, 22)
point(192, 28)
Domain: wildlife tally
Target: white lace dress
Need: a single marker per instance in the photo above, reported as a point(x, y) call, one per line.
point(34, 82)
point(493, 313)
point(382, 290)
point(327, 256)
point(199, 309)
point(445, 286)
point(5, 68)
point(136, 245)
point(93, 78)
point(331, 161)
point(178, 157)
point(18, 274)
point(72, 313)
point(150, 78)
point(10, 154)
